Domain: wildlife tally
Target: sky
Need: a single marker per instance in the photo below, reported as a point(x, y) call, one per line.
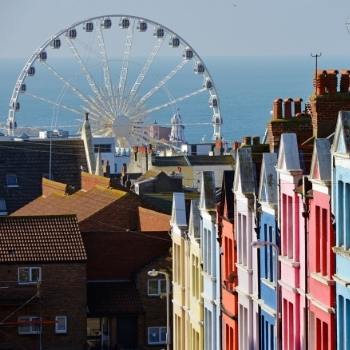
point(212, 27)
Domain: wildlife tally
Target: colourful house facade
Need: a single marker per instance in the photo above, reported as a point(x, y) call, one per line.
point(292, 256)
point(211, 263)
point(340, 206)
point(321, 291)
point(247, 258)
point(268, 232)
point(229, 281)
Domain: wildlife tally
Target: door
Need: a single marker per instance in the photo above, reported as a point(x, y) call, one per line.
point(127, 332)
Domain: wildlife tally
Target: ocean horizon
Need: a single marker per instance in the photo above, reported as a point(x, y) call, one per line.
point(246, 85)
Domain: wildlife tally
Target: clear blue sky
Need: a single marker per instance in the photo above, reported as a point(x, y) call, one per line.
point(213, 27)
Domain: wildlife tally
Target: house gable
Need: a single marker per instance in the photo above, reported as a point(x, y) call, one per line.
point(208, 195)
point(244, 181)
point(178, 214)
point(341, 143)
point(268, 179)
point(288, 156)
point(321, 161)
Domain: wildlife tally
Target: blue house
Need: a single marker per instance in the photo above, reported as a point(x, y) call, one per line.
point(341, 209)
point(267, 268)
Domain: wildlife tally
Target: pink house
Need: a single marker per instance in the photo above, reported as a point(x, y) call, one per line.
point(292, 257)
point(321, 257)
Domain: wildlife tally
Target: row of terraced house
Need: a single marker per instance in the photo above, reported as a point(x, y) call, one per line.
point(264, 261)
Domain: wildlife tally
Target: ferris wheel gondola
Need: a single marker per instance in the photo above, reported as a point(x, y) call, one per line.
point(118, 104)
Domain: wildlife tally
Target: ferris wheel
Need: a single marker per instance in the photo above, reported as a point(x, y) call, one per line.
point(125, 71)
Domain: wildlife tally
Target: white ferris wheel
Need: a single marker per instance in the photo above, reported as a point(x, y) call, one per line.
point(125, 71)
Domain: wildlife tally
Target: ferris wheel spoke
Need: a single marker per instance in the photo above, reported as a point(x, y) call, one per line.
point(106, 70)
point(161, 83)
point(142, 75)
point(53, 103)
point(90, 80)
point(125, 64)
point(92, 106)
point(165, 105)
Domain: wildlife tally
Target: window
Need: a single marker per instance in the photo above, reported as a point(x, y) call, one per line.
point(156, 335)
point(103, 148)
point(28, 275)
point(11, 180)
point(61, 324)
point(156, 287)
point(29, 325)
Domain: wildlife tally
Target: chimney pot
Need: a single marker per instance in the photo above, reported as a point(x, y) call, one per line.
point(321, 82)
point(332, 81)
point(344, 81)
point(247, 140)
point(277, 109)
point(287, 104)
point(256, 140)
point(297, 105)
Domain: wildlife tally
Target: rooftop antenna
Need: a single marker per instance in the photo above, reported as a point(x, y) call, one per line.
point(316, 56)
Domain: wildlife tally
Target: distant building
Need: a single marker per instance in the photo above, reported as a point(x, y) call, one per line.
point(43, 283)
point(24, 163)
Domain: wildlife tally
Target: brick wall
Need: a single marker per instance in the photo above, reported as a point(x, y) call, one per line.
point(154, 307)
point(61, 293)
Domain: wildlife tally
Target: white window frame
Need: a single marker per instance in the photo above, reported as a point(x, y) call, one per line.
point(30, 279)
point(61, 331)
point(159, 287)
point(159, 329)
point(31, 330)
point(7, 183)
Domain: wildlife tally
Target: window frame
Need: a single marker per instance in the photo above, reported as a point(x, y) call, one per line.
point(159, 329)
point(58, 331)
point(159, 292)
point(31, 331)
point(7, 180)
point(30, 278)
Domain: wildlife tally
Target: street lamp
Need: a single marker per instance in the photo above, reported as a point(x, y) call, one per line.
point(156, 273)
point(259, 244)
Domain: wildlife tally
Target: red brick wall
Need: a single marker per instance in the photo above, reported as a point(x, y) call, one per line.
point(155, 307)
point(62, 293)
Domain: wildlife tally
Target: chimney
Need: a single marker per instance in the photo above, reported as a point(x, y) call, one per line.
point(332, 81)
point(297, 106)
point(287, 104)
point(256, 140)
point(320, 83)
point(247, 140)
point(344, 81)
point(277, 109)
point(86, 136)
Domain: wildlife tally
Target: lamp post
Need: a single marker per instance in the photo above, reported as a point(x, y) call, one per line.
point(155, 273)
point(259, 244)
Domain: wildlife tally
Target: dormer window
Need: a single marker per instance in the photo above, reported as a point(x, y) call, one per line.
point(11, 180)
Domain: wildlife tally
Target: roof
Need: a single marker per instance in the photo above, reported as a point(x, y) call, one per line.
point(192, 160)
point(121, 254)
point(178, 214)
point(40, 239)
point(194, 220)
point(321, 164)
point(227, 199)
point(30, 161)
point(288, 156)
point(151, 220)
point(113, 298)
point(245, 174)
point(268, 179)
point(207, 199)
point(341, 143)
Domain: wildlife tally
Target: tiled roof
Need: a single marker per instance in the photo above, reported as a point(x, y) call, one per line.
point(113, 298)
point(40, 239)
point(119, 255)
point(30, 161)
point(192, 160)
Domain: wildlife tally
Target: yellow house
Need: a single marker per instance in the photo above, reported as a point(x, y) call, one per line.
point(178, 224)
point(195, 281)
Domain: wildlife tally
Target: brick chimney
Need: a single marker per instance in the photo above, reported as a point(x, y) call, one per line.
point(277, 110)
point(287, 106)
point(332, 95)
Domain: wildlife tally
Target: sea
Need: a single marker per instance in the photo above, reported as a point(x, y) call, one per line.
point(246, 88)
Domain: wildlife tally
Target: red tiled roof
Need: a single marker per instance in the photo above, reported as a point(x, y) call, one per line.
point(40, 239)
point(151, 220)
point(113, 298)
point(119, 255)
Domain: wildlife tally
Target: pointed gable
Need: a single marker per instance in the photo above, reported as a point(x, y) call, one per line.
point(208, 194)
point(194, 221)
point(245, 180)
point(178, 214)
point(288, 156)
point(321, 163)
point(341, 143)
point(268, 179)
point(227, 199)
